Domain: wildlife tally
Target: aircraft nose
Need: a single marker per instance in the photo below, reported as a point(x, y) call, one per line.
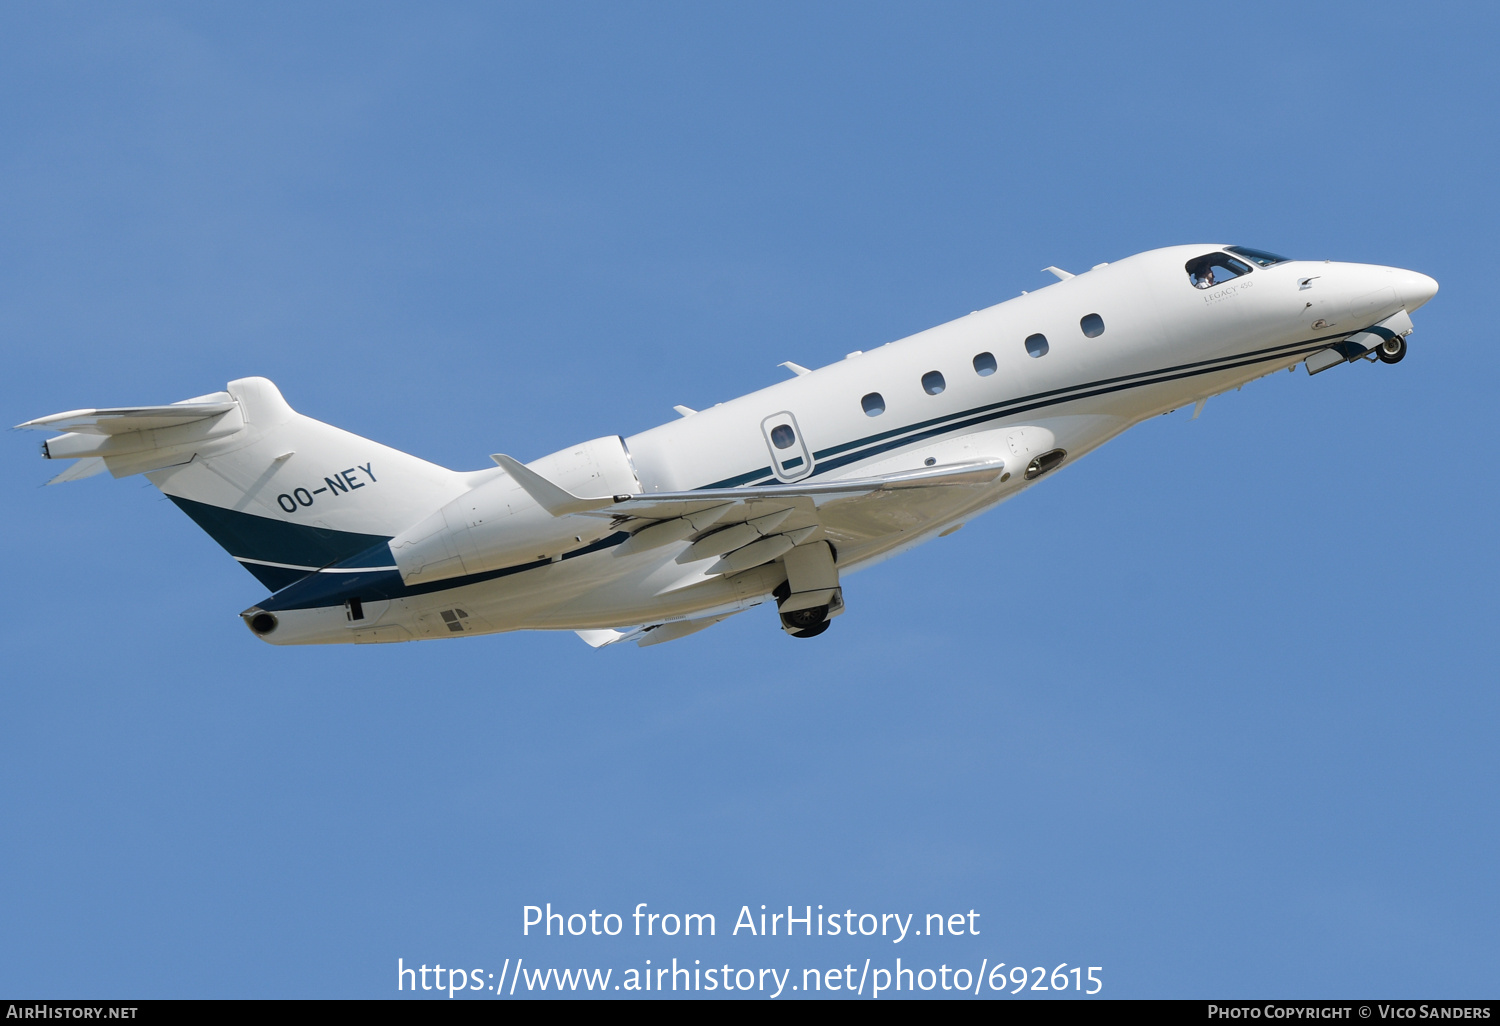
point(1416, 289)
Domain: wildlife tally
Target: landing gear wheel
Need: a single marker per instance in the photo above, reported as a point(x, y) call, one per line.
point(805, 619)
point(1392, 350)
point(811, 632)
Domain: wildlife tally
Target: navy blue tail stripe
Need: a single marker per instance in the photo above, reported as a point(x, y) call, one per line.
point(321, 590)
point(274, 578)
point(1010, 410)
point(248, 536)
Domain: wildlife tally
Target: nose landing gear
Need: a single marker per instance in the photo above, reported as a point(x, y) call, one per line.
point(1392, 350)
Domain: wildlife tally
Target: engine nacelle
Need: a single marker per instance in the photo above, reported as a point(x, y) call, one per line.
point(497, 524)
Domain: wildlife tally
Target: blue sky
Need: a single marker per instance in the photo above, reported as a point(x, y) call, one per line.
point(1214, 709)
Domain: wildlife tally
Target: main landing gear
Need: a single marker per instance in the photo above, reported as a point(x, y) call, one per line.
point(810, 597)
point(1392, 350)
point(806, 623)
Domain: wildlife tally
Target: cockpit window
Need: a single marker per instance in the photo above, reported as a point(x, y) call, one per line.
point(1214, 269)
point(1258, 256)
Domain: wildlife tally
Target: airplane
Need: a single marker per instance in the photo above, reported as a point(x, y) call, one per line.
point(774, 496)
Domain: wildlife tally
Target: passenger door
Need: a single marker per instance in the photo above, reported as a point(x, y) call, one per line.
point(790, 458)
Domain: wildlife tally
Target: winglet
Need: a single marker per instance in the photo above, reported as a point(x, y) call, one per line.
point(1061, 274)
point(551, 498)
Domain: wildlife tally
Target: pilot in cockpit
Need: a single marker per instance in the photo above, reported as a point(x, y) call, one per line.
point(1216, 268)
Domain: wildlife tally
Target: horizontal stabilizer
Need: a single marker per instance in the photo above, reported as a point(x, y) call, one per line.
point(124, 419)
point(80, 470)
point(136, 439)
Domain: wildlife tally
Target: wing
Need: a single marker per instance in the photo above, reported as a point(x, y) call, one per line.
point(664, 505)
point(749, 527)
point(672, 505)
point(852, 513)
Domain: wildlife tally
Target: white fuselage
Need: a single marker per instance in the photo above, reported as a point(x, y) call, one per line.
point(1165, 343)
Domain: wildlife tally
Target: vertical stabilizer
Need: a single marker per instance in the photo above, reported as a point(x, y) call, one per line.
point(285, 494)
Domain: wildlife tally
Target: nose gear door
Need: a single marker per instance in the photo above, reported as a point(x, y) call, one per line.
point(790, 458)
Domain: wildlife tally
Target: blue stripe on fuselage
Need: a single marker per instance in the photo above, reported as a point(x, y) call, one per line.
point(334, 589)
point(922, 430)
point(895, 438)
point(330, 589)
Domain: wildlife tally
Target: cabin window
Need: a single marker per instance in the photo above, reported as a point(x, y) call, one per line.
point(1214, 269)
point(1258, 257)
point(1036, 345)
point(933, 383)
point(1092, 325)
point(874, 404)
point(984, 364)
point(782, 436)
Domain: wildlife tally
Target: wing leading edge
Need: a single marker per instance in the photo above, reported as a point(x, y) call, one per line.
point(672, 505)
